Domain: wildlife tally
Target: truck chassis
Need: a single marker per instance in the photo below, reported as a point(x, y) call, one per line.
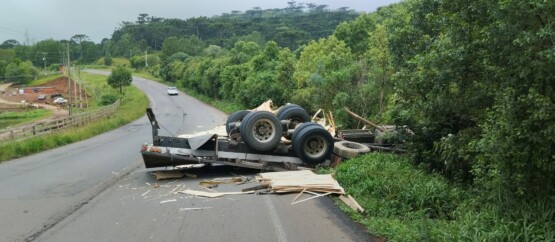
point(167, 151)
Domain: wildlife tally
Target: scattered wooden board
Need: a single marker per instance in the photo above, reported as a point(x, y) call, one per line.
point(211, 194)
point(352, 203)
point(297, 181)
point(236, 180)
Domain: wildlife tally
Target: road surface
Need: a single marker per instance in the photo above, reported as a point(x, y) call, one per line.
point(98, 190)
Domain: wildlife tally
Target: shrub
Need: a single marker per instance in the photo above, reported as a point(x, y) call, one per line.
point(108, 60)
point(107, 99)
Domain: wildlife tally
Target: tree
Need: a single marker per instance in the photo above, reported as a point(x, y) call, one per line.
point(119, 78)
point(323, 71)
point(79, 39)
point(8, 44)
point(379, 57)
point(49, 49)
point(355, 33)
point(20, 71)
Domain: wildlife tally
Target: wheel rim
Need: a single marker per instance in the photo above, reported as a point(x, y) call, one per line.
point(315, 146)
point(263, 130)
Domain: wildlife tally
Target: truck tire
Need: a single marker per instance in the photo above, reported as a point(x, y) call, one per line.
point(312, 144)
point(261, 130)
point(294, 113)
point(236, 116)
point(349, 149)
point(301, 127)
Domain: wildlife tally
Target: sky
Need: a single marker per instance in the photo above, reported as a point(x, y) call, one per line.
point(34, 20)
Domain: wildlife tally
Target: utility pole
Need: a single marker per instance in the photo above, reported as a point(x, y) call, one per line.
point(146, 58)
point(75, 90)
point(80, 88)
point(44, 60)
point(69, 79)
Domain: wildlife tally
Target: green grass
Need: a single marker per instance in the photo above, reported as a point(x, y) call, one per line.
point(10, 119)
point(403, 203)
point(116, 61)
point(133, 105)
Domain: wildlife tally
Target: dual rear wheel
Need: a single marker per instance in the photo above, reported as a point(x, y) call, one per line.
point(262, 131)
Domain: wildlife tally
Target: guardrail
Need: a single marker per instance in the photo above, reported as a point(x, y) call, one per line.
point(20, 133)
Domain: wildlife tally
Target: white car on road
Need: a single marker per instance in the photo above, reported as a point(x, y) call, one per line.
point(172, 91)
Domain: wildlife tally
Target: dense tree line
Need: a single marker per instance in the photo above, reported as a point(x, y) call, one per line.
point(21, 63)
point(472, 82)
point(290, 27)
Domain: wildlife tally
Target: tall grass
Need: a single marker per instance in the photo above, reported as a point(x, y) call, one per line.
point(133, 105)
point(404, 203)
point(8, 119)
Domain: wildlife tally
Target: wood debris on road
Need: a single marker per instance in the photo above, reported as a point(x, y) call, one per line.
point(188, 209)
point(298, 181)
point(211, 194)
point(212, 183)
point(168, 201)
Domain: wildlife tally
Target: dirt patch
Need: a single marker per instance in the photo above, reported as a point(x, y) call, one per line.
point(60, 85)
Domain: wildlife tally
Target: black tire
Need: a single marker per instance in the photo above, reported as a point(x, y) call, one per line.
point(261, 130)
point(301, 127)
point(282, 108)
point(312, 144)
point(349, 149)
point(236, 116)
point(294, 113)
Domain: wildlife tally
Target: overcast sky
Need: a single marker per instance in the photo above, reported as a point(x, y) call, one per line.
point(61, 19)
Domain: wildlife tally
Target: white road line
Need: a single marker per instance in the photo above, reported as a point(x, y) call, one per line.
point(280, 233)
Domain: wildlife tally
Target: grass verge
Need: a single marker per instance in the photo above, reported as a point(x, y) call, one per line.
point(133, 105)
point(403, 203)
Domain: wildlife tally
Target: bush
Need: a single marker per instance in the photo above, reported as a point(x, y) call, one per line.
point(108, 60)
point(404, 203)
point(107, 99)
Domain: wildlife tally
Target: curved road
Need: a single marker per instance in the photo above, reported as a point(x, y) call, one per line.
point(98, 190)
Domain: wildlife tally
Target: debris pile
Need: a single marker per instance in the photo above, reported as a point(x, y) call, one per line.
point(300, 181)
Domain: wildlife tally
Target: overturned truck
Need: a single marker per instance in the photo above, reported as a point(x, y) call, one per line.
point(264, 140)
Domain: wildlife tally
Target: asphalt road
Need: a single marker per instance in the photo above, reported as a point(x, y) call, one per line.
point(99, 190)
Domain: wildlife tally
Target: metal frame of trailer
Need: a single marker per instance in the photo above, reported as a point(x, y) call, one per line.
point(167, 151)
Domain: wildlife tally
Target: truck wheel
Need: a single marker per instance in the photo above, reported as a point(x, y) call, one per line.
point(312, 144)
point(349, 149)
point(261, 130)
point(301, 127)
point(294, 113)
point(236, 116)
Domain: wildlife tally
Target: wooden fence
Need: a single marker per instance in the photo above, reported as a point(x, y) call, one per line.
point(20, 133)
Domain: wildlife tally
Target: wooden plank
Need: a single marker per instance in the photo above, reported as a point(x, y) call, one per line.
point(296, 181)
point(211, 194)
point(352, 203)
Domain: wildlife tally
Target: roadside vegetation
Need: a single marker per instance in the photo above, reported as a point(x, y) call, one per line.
point(10, 119)
point(404, 203)
point(470, 82)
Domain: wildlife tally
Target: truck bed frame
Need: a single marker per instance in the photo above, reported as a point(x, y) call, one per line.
point(168, 151)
